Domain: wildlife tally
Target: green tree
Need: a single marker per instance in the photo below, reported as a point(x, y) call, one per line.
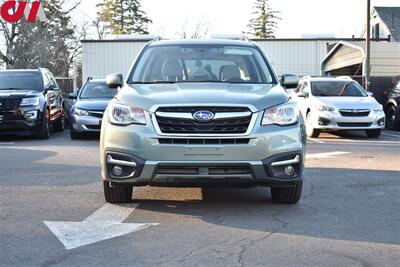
point(43, 44)
point(265, 20)
point(124, 16)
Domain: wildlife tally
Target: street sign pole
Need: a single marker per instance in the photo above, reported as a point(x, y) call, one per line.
point(368, 47)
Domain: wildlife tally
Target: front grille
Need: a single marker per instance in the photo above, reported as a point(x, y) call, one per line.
point(204, 170)
point(9, 103)
point(355, 113)
point(93, 127)
point(234, 125)
point(354, 124)
point(182, 126)
point(97, 114)
point(195, 109)
point(186, 141)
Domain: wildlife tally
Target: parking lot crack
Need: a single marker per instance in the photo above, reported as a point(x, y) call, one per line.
point(252, 242)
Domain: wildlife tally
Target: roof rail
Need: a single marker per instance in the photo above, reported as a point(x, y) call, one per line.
point(344, 78)
point(239, 37)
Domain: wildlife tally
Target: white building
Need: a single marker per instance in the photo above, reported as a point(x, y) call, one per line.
point(298, 56)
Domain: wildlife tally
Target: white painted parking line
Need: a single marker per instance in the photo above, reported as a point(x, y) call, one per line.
point(326, 155)
point(6, 143)
point(349, 141)
point(316, 140)
point(104, 224)
point(392, 135)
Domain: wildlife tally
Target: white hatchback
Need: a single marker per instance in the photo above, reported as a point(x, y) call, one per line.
point(332, 104)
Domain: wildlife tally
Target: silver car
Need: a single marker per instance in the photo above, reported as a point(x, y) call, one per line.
point(332, 104)
point(88, 110)
point(202, 113)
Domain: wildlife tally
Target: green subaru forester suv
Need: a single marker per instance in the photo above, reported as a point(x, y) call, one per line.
point(197, 113)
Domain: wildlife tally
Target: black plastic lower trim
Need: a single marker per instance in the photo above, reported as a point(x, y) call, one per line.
point(276, 172)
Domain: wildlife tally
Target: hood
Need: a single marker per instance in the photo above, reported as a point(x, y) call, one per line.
point(343, 102)
point(19, 93)
point(92, 104)
point(258, 96)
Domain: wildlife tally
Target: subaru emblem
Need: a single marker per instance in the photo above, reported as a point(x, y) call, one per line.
point(203, 115)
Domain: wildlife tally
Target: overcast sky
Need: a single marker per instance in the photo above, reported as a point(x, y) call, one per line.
point(341, 18)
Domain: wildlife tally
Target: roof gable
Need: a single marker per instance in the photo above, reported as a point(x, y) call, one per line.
point(391, 17)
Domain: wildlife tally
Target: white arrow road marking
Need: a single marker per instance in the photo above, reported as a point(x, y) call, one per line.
point(105, 223)
point(326, 155)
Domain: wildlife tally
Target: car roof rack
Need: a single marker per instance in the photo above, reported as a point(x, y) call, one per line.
point(238, 37)
point(344, 78)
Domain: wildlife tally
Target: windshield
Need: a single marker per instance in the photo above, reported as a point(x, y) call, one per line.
point(20, 81)
point(97, 90)
point(202, 63)
point(337, 88)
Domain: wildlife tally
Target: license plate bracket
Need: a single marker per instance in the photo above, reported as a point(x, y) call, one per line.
point(204, 150)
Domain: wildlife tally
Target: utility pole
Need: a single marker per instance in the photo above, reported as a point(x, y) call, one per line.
point(368, 47)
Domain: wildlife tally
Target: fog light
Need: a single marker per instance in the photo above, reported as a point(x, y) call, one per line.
point(75, 126)
point(117, 170)
point(32, 114)
point(289, 170)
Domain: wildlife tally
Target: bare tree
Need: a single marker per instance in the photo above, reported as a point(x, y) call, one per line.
point(100, 28)
point(188, 29)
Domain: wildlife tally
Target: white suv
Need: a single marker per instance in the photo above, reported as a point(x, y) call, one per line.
point(331, 104)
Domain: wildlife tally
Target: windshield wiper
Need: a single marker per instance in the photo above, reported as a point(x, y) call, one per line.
point(202, 81)
point(152, 82)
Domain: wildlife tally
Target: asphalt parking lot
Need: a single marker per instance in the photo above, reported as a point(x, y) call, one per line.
point(52, 211)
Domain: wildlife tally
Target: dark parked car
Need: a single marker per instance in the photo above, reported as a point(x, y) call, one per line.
point(30, 103)
point(88, 110)
point(393, 107)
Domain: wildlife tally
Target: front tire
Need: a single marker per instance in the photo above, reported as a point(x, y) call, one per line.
point(117, 195)
point(59, 125)
point(44, 131)
point(311, 132)
point(75, 135)
point(287, 195)
point(373, 133)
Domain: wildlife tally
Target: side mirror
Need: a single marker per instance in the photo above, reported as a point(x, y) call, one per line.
point(51, 87)
point(290, 80)
point(73, 96)
point(115, 80)
point(303, 94)
point(370, 94)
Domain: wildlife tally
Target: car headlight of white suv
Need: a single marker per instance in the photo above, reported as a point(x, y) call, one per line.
point(378, 108)
point(120, 114)
point(285, 114)
point(325, 108)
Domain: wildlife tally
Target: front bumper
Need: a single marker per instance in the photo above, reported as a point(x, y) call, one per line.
point(82, 124)
point(197, 164)
point(335, 121)
point(15, 123)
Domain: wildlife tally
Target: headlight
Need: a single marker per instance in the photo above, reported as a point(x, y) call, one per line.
point(325, 108)
point(378, 108)
point(81, 112)
point(33, 101)
point(285, 114)
point(124, 115)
